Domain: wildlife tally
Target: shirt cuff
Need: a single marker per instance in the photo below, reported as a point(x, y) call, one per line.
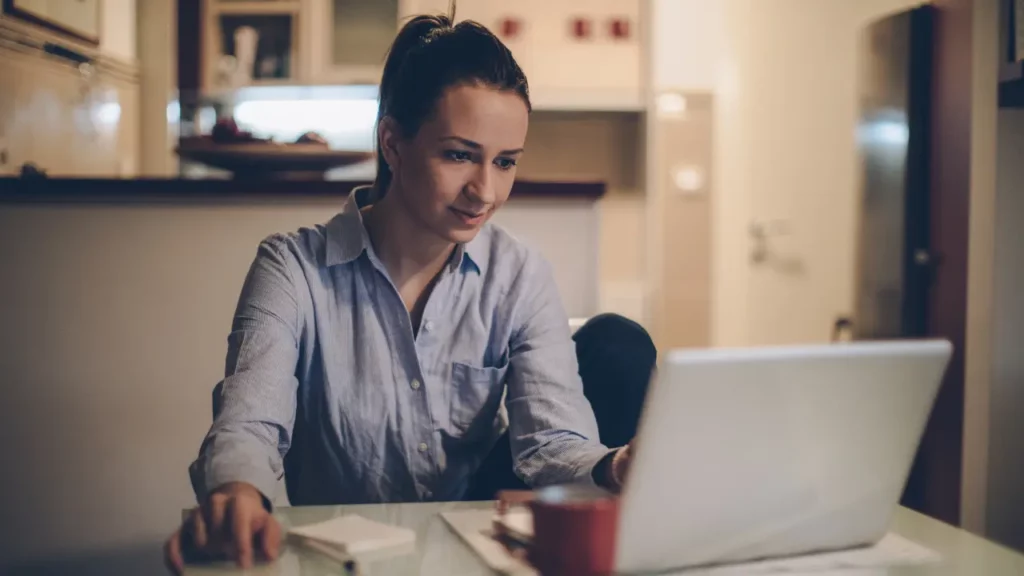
point(601, 475)
point(207, 477)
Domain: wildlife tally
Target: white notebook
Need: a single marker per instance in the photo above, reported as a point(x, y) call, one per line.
point(356, 535)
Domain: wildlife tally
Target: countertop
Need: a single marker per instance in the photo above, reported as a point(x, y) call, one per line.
point(102, 190)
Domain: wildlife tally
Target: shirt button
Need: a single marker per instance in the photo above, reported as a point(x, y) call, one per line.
point(423, 447)
point(428, 325)
point(415, 384)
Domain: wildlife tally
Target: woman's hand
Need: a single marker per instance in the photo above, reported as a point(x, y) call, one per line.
point(230, 524)
point(619, 469)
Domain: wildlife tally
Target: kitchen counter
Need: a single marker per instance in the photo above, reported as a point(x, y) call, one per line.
point(149, 190)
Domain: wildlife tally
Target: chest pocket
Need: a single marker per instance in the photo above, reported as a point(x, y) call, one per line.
point(475, 399)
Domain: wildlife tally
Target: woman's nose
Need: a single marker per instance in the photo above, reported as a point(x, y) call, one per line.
point(480, 188)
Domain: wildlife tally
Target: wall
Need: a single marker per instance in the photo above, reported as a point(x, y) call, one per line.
point(599, 146)
point(786, 109)
point(684, 48)
point(158, 66)
point(112, 338)
point(686, 40)
point(988, 135)
point(1004, 519)
point(117, 31)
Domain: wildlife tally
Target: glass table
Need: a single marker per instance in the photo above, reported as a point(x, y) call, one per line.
point(440, 551)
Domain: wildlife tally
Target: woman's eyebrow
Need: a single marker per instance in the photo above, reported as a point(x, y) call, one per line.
point(476, 145)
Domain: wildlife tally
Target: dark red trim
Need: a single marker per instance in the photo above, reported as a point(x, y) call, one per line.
point(85, 190)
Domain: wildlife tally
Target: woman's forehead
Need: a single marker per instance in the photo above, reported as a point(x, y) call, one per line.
point(494, 119)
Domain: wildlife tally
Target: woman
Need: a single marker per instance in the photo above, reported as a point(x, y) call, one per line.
point(368, 357)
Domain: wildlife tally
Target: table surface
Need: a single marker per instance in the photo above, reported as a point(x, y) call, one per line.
point(440, 551)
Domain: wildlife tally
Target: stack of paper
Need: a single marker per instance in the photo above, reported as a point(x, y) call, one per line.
point(351, 535)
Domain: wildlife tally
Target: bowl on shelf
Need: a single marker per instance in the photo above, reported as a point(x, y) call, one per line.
point(255, 158)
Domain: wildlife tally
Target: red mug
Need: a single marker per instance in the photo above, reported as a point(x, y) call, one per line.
point(574, 529)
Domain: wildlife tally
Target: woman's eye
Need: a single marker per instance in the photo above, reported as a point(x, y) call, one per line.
point(505, 163)
point(458, 155)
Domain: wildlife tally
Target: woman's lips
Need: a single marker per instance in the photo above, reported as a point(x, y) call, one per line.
point(469, 218)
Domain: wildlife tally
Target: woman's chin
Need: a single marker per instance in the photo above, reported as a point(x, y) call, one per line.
point(462, 235)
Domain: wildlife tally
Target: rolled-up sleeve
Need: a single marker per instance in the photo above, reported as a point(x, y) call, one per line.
point(552, 428)
point(251, 434)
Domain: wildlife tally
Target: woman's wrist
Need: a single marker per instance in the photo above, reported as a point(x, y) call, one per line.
point(609, 470)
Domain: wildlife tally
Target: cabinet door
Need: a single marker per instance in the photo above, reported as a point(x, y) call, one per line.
point(361, 33)
point(479, 10)
point(597, 71)
point(409, 8)
point(521, 37)
point(80, 18)
point(351, 39)
point(37, 8)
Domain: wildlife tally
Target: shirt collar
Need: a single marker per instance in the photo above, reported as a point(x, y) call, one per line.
point(347, 237)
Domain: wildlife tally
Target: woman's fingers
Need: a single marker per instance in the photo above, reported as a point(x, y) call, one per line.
point(270, 538)
point(200, 536)
point(172, 554)
point(241, 517)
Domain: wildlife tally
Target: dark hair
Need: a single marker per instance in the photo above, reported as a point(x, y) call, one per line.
point(430, 55)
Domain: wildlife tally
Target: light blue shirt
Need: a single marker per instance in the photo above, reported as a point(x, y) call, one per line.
point(326, 382)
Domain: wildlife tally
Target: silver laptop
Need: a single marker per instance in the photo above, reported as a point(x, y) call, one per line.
point(748, 454)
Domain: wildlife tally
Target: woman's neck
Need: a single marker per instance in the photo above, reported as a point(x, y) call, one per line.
point(410, 253)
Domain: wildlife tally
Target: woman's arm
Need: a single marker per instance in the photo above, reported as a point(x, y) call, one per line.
point(250, 436)
point(552, 427)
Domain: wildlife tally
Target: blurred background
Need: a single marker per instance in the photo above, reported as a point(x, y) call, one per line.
point(726, 172)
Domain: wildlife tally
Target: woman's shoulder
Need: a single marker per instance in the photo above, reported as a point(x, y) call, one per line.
point(509, 257)
point(306, 245)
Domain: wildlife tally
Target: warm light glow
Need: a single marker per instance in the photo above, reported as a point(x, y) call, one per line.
point(688, 178)
point(108, 113)
point(345, 123)
point(671, 104)
point(888, 128)
point(173, 112)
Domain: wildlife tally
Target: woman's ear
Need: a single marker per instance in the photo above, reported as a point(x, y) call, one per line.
point(388, 135)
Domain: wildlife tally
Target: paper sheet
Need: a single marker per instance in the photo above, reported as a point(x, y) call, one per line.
point(355, 534)
point(475, 528)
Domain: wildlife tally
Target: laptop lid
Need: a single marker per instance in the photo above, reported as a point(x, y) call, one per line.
point(752, 453)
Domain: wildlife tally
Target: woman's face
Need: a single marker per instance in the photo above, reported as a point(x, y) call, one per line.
point(459, 167)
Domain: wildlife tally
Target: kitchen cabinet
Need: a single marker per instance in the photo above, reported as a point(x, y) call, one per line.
point(80, 19)
point(577, 54)
point(252, 42)
point(347, 40)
